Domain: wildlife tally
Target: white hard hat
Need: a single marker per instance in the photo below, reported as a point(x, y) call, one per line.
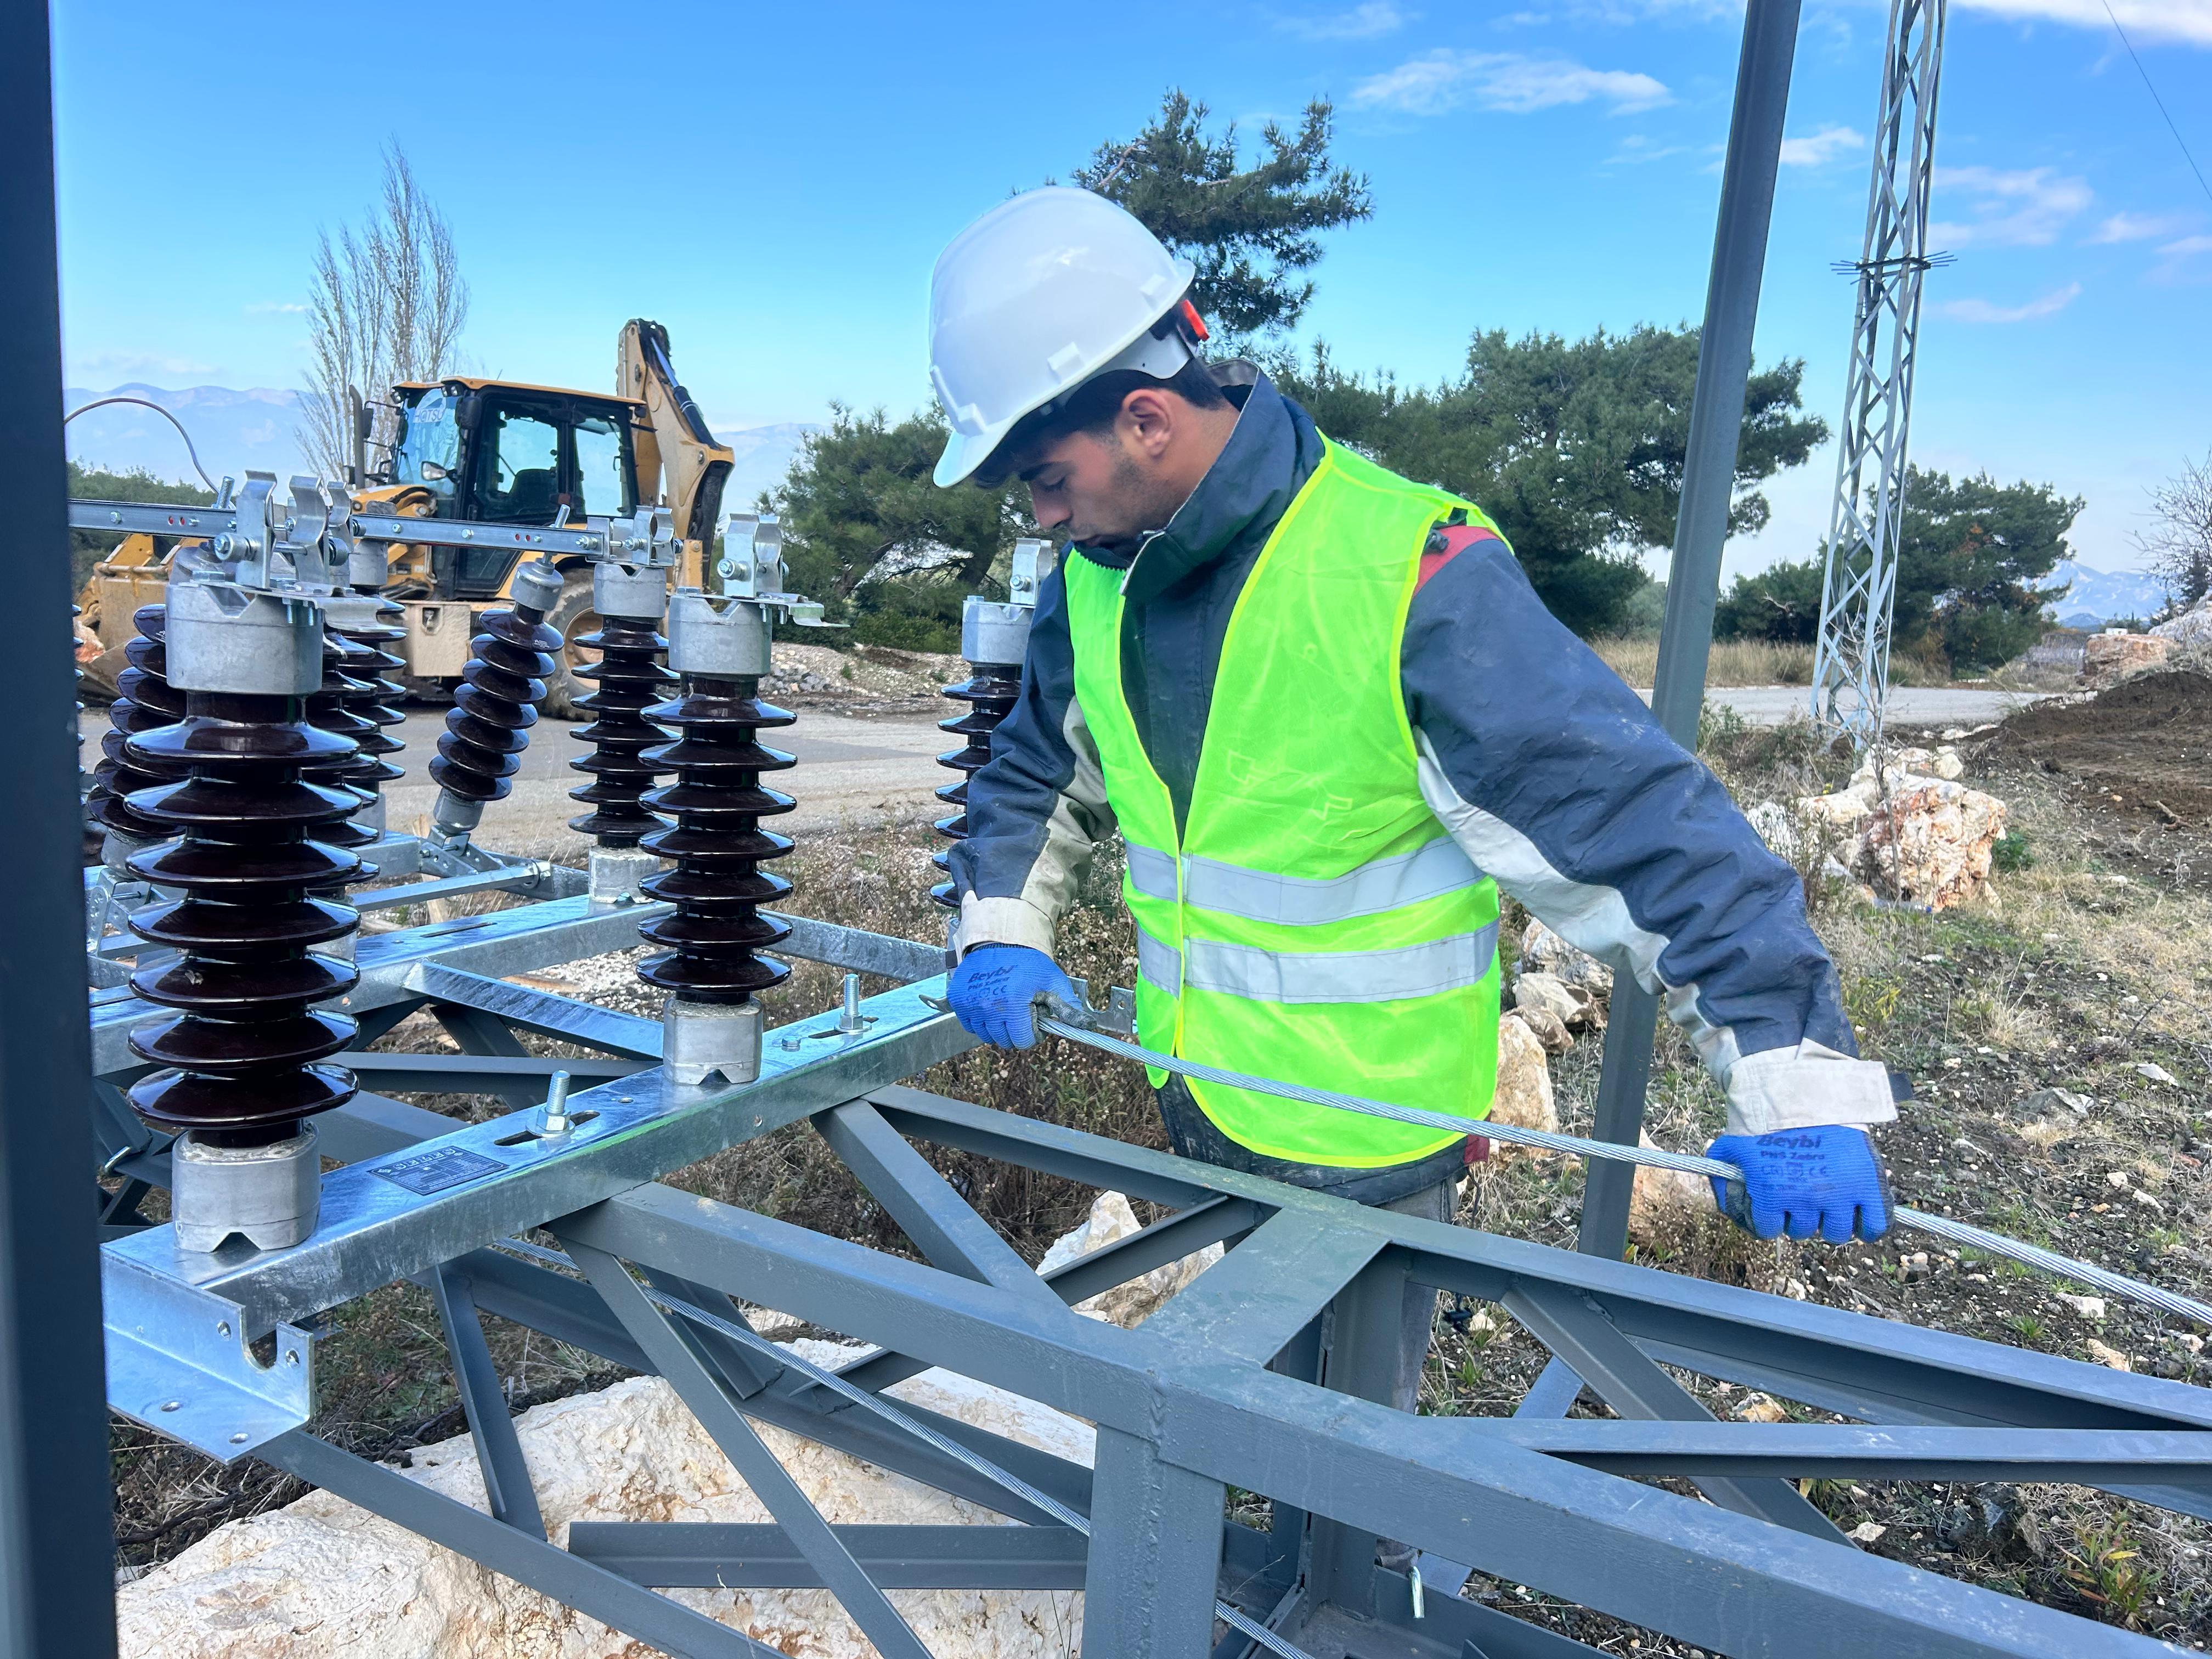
point(1041, 294)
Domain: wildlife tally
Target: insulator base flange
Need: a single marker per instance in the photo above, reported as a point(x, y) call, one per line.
point(271, 1194)
point(699, 1039)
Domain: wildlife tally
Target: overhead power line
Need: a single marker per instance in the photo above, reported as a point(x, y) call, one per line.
point(2161, 102)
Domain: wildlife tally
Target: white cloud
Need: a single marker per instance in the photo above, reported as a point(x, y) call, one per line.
point(1638, 149)
point(2178, 259)
point(2142, 227)
point(2189, 21)
point(1981, 310)
point(1818, 149)
point(2012, 208)
point(274, 307)
point(1363, 23)
point(1508, 81)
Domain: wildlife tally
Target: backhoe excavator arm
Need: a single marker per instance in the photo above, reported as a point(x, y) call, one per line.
point(694, 467)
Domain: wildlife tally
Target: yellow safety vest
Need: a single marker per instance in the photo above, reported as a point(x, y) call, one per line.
point(1314, 922)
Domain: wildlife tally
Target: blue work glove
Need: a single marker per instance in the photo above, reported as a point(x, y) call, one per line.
point(994, 986)
point(1795, 1180)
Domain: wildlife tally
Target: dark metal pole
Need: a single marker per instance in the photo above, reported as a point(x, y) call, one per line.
point(1754, 151)
point(57, 1541)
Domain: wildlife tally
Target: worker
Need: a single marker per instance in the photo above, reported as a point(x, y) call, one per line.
point(1330, 721)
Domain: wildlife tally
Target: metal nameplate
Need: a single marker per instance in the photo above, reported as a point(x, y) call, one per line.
point(436, 1170)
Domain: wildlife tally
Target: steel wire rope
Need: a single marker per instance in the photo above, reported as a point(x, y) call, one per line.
point(2161, 102)
point(1961, 1232)
point(143, 402)
point(1006, 1479)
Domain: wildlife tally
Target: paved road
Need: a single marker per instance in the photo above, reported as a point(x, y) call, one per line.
point(865, 771)
point(851, 771)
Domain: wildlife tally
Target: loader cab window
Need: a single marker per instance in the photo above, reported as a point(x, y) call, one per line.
point(429, 453)
point(603, 481)
point(518, 466)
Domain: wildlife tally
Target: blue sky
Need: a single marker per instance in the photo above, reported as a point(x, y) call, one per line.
point(774, 183)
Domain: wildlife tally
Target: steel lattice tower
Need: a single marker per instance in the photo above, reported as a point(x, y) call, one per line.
point(1850, 670)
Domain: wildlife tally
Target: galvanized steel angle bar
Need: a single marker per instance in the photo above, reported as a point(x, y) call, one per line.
point(1618, 1371)
point(1151, 1583)
point(678, 1554)
point(511, 1075)
point(1253, 1302)
point(698, 1383)
point(1091, 1159)
point(500, 1457)
point(569, 1311)
point(541, 1012)
point(481, 1035)
point(941, 1223)
point(1674, 1446)
point(178, 1361)
point(1171, 1238)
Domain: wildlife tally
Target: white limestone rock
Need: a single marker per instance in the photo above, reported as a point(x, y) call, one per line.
point(1523, 1098)
point(1543, 951)
point(1572, 1006)
point(321, 1579)
point(1126, 1305)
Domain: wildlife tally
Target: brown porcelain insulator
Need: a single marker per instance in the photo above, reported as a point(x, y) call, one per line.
point(332, 708)
point(717, 884)
point(630, 678)
point(489, 726)
point(145, 703)
point(376, 702)
point(990, 692)
point(246, 1037)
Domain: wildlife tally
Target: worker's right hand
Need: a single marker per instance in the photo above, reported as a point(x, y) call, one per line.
point(993, 989)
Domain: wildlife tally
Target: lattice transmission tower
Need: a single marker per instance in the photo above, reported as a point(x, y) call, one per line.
point(1850, 670)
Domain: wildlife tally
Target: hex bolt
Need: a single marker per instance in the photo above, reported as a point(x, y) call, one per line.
point(553, 1120)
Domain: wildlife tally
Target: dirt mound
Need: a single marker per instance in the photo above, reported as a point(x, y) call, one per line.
point(862, 679)
point(2142, 749)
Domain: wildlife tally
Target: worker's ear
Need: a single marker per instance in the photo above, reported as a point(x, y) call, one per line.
point(1147, 421)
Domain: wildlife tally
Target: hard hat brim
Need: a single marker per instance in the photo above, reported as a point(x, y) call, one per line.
point(965, 452)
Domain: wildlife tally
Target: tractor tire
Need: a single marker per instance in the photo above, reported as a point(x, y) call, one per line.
point(572, 617)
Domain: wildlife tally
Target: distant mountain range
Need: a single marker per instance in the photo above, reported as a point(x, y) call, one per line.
point(258, 429)
point(2082, 598)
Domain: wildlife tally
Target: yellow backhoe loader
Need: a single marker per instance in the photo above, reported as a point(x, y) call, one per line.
point(503, 454)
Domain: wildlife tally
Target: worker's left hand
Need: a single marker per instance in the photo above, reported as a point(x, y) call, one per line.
point(1796, 1180)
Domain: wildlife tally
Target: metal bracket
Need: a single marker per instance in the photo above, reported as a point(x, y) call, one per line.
point(751, 567)
point(1117, 1017)
point(178, 1362)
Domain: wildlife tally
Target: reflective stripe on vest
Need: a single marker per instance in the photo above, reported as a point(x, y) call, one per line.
point(1413, 970)
point(1386, 884)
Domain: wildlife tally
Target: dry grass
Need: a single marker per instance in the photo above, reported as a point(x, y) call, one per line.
point(1746, 662)
point(1735, 662)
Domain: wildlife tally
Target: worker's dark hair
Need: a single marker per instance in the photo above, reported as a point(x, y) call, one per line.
point(1091, 408)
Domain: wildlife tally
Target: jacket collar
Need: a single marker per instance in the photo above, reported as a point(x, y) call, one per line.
point(1273, 451)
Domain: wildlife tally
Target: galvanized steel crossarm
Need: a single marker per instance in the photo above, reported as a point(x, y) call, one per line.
point(376, 1230)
